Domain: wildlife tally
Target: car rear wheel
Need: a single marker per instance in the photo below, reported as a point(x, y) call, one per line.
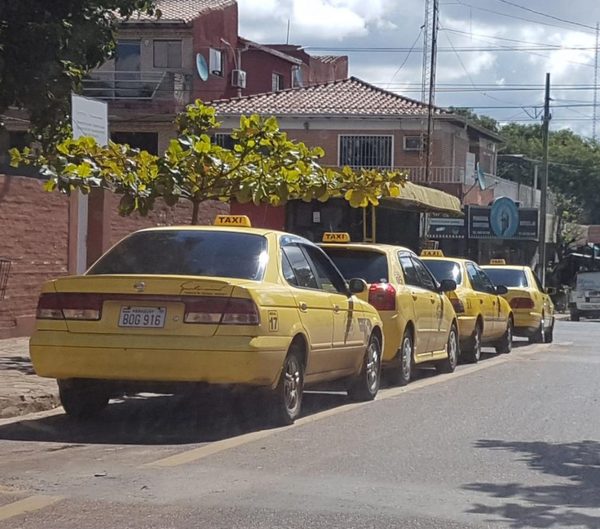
point(549, 337)
point(366, 384)
point(472, 352)
point(448, 365)
point(540, 333)
point(82, 399)
point(504, 346)
point(401, 374)
point(288, 394)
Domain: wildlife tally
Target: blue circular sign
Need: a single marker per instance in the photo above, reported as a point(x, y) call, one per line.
point(504, 218)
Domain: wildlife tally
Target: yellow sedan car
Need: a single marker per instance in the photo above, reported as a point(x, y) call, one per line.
point(532, 307)
point(484, 316)
point(223, 305)
point(419, 323)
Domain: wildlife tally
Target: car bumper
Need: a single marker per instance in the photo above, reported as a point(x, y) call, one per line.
point(245, 360)
point(526, 322)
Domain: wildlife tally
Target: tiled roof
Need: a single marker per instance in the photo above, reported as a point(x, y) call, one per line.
point(183, 10)
point(348, 97)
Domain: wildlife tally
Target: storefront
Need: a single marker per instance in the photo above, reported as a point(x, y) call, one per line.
point(502, 230)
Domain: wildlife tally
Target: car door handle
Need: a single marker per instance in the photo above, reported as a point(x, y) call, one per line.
point(336, 308)
point(303, 306)
point(432, 300)
point(481, 301)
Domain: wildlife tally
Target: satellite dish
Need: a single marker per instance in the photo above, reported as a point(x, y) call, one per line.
point(201, 67)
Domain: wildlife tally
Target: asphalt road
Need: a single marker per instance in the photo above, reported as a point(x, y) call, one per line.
point(512, 442)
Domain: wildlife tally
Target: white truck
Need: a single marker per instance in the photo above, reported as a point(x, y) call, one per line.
point(584, 300)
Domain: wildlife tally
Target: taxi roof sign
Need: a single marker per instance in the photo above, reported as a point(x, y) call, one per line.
point(432, 253)
point(233, 220)
point(497, 261)
point(336, 236)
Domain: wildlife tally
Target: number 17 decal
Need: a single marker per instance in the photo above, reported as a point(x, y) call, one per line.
point(273, 321)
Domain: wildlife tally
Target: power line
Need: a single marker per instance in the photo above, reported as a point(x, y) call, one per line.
point(407, 56)
point(507, 2)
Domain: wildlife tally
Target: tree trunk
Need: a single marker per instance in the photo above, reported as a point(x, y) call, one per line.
point(195, 212)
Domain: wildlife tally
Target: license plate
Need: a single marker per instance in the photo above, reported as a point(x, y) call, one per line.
point(143, 317)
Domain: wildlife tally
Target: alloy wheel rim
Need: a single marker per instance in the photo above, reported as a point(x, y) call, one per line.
point(406, 354)
point(543, 329)
point(452, 349)
point(292, 385)
point(477, 343)
point(509, 332)
point(372, 366)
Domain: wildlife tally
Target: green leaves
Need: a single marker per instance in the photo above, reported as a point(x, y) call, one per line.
point(264, 167)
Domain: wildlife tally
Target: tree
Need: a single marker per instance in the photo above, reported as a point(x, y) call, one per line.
point(264, 166)
point(482, 121)
point(47, 46)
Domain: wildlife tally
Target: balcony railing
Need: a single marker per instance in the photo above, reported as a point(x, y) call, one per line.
point(438, 175)
point(138, 86)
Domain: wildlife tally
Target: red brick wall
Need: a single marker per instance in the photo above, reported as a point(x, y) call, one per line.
point(34, 236)
point(34, 227)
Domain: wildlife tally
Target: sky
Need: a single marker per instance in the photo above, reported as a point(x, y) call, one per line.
point(477, 63)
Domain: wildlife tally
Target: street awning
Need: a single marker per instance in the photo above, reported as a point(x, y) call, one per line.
point(425, 199)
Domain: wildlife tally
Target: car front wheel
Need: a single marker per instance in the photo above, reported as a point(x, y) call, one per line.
point(448, 365)
point(366, 384)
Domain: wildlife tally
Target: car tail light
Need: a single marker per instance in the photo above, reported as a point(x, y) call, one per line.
point(382, 296)
point(458, 305)
point(521, 303)
point(68, 306)
point(227, 311)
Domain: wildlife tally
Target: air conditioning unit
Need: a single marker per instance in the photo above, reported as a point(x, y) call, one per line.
point(238, 78)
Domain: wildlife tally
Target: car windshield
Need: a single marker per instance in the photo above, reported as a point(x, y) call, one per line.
point(507, 277)
point(364, 264)
point(444, 270)
point(188, 253)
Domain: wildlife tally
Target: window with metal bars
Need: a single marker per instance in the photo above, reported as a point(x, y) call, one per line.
point(4, 271)
point(366, 151)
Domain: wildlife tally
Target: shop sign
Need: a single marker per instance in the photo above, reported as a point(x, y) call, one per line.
point(446, 228)
point(503, 220)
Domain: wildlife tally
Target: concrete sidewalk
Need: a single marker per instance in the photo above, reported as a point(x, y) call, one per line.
point(21, 391)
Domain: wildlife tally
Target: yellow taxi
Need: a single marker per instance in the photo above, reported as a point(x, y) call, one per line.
point(419, 323)
point(484, 316)
point(532, 307)
point(226, 304)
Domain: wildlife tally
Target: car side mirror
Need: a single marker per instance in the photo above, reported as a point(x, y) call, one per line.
point(551, 291)
point(357, 285)
point(447, 285)
point(501, 290)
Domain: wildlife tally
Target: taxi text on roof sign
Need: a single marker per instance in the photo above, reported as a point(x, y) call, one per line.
point(432, 253)
point(233, 220)
point(331, 236)
point(497, 261)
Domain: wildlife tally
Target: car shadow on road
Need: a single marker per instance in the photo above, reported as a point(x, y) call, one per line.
point(577, 469)
point(163, 419)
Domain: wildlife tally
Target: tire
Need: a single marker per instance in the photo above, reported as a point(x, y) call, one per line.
point(549, 337)
point(366, 384)
point(574, 315)
point(287, 399)
point(401, 375)
point(504, 345)
point(448, 365)
point(82, 399)
point(472, 352)
point(540, 333)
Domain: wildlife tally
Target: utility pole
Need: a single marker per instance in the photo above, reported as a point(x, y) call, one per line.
point(431, 27)
point(595, 111)
point(544, 182)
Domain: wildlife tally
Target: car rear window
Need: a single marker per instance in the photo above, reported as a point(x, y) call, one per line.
point(367, 265)
point(188, 253)
point(507, 278)
point(444, 270)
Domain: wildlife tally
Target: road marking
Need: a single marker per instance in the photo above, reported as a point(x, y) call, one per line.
point(33, 503)
point(207, 450)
